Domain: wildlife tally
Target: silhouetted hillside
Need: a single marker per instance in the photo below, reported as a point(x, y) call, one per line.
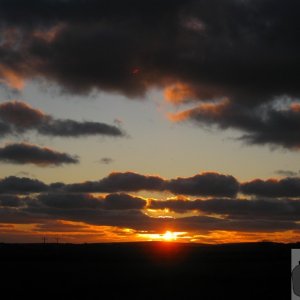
point(150, 270)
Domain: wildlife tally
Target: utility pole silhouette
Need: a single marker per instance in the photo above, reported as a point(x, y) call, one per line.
point(44, 240)
point(57, 240)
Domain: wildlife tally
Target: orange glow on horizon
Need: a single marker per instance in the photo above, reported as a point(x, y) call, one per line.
point(169, 236)
point(79, 232)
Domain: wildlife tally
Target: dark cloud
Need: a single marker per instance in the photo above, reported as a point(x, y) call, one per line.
point(70, 128)
point(11, 200)
point(20, 117)
point(87, 201)
point(4, 129)
point(284, 209)
point(241, 218)
point(205, 184)
point(11, 215)
point(53, 203)
point(287, 173)
point(119, 182)
point(176, 205)
point(277, 127)
point(286, 187)
point(122, 210)
point(129, 218)
point(207, 223)
point(21, 185)
point(31, 154)
point(60, 226)
point(263, 124)
point(246, 50)
point(123, 201)
point(68, 201)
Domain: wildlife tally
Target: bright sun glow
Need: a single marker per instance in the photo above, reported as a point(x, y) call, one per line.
point(169, 236)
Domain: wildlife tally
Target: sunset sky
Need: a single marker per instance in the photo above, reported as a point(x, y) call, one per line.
point(124, 120)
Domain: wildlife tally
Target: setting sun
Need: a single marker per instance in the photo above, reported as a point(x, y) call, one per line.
point(169, 236)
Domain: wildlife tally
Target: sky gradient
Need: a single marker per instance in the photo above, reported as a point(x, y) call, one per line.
point(123, 122)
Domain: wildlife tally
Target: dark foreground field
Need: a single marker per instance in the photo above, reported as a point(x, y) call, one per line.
point(151, 270)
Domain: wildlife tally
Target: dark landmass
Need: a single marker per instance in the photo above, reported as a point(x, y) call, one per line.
point(146, 270)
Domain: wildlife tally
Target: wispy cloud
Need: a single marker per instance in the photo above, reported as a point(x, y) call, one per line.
point(106, 160)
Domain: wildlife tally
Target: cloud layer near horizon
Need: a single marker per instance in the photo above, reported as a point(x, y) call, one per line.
point(205, 184)
point(123, 210)
point(275, 207)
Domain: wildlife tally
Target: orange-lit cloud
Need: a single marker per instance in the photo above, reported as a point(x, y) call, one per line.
point(11, 78)
point(77, 232)
point(295, 107)
point(212, 110)
point(179, 93)
point(222, 236)
point(64, 232)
